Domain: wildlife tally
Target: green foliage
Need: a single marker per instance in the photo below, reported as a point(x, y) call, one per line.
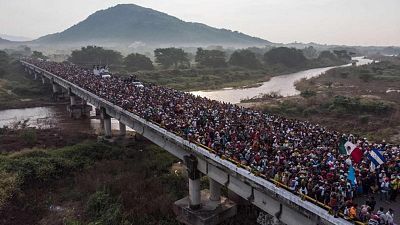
point(310, 52)
point(39, 167)
point(308, 93)
point(135, 62)
point(93, 55)
point(38, 55)
point(342, 54)
point(104, 209)
point(245, 58)
point(365, 76)
point(28, 136)
point(4, 61)
point(171, 56)
point(210, 58)
point(358, 105)
point(8, 185)
point(289, 57)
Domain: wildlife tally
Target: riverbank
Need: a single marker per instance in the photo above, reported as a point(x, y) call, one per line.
point(354, 100)
point(17, 90)
point(196, 79)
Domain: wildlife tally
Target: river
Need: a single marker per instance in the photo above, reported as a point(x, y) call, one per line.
point(53, 116)
point(283, 84)
point(56, 116)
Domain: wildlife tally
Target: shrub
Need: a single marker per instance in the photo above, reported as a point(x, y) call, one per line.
point(8, 186)
point(28, 136)
point(308, 93)
point(102, 208)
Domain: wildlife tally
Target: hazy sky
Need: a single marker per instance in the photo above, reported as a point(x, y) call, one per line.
point(355, 22)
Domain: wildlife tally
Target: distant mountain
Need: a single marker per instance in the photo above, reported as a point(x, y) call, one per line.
point(14, 38)
point(4, 40)
point(129, 24)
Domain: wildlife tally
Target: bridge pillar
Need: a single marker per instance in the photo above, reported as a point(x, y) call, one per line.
point(57, 91)
point(215, 190)
point(35, 74)
point(107, 123)
point(72, 97)
point(194, 182)
point(43, 80)
point(201, 207)
point(122, 129)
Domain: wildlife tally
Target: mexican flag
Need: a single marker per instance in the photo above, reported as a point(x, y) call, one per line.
point(342, 148)
point(354, 151)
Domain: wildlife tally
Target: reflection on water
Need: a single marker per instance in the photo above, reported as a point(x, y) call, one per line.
point(53, 116)
point(283, 84)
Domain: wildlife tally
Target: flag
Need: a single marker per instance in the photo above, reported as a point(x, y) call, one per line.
point(354, 151)
point(351, 175)
point(376, 157)
point(342, 148)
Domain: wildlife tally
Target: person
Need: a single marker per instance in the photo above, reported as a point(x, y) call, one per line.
point(333, 203)
point(353, 212)
point(382, 215)
point(390, 217)
point(385, 187)
point(394, 188)
point(371, 202)
point(374, 220)
point(303, 189)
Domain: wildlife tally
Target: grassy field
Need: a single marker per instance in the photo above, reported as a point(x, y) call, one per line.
point(352, 100)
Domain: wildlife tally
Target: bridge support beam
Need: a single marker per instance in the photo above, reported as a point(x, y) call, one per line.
point(202, 207)
point(43, 80)
point(72, 97)
point(35, 75)
point(106, 123)
point(57, 91)
point(78, 110)
point(215, 190)
point(194, 182)
point(122, 129)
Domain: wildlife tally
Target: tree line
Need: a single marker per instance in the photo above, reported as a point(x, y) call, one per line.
point(177, 58)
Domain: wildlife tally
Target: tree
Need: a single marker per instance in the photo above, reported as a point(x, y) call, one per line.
point(327, 55)
point(210, 58)
point(135, 62)
point(93, 55)
point(245, 58)
point(38, 55)
point(310, 52)
point(289, 57)
point(171, 56)
point(342, 54)
point(4, 61)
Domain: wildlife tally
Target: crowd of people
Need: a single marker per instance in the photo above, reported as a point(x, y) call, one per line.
point(299, 154)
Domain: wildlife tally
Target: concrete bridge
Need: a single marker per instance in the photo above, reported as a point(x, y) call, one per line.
point(208, 206)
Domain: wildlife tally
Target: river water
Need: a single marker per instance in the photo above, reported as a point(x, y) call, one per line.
point(53, 116)
point(283, 84)
point(56, 116)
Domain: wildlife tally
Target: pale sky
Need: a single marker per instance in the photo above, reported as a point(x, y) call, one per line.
point(350, 22)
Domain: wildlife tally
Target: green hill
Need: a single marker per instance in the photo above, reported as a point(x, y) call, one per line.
point(127, 24)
